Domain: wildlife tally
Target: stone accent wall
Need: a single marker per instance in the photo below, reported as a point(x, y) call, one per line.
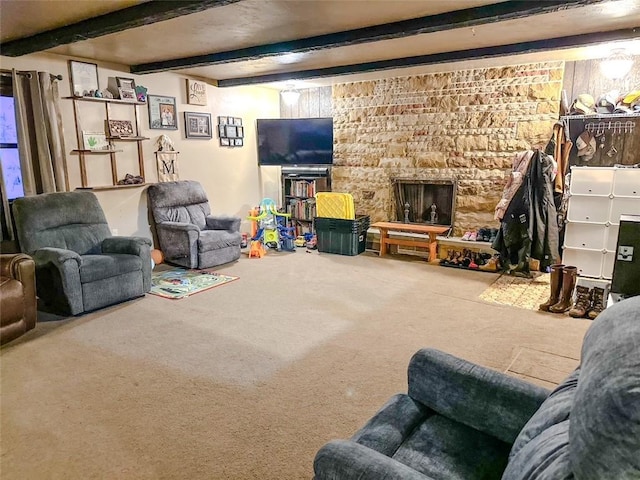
point(466, 124)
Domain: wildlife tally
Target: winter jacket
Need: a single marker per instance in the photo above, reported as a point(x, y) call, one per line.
point(529, 228)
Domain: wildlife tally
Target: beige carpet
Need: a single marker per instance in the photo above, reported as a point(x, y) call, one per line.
point(249, 380)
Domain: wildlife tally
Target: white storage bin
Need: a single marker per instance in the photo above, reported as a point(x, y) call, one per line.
point(588, 209)
point(585, 235)
point(626, 182)
point(611, 242)
point(591, 181)
point(588, 262)
point(622, 206)
point(607, 264)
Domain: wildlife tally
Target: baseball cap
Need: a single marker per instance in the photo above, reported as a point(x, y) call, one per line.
point(586, 145)
point(606, 104)
point(584, 104)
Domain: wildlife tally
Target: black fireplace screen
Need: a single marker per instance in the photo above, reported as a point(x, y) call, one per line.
point(425, 201)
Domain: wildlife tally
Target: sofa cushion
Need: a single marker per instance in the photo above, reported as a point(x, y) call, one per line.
point(98, 267)
point(217, 239)
point(444, 449)
point(605, 418)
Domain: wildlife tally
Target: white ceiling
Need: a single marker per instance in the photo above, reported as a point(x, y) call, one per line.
point(255, 23)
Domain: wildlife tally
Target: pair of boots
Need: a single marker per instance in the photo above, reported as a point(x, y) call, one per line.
point(589, 302)
point(563, 281)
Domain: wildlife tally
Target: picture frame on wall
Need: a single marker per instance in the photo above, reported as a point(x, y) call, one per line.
point(95, 141)
point(197, 125)
point(225, 142)
point(221, 131)
point(238, 142)
point(240, 132)
point(222, 120)
point(231, 131)
point(162, 112)
point(196, 92)
point(83, 77)
point(237, 121)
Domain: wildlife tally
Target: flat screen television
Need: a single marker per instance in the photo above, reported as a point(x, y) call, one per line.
point(295, 141)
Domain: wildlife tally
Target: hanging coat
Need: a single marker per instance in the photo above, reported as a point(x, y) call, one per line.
point(529, 227)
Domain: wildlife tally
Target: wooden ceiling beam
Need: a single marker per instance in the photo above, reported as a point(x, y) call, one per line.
point(131, 17)
point(470, 17)
point(558, 43)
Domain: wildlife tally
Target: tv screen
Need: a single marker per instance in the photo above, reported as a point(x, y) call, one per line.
point(295, 141)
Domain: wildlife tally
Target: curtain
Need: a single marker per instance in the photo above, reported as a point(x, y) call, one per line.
point(40, 133)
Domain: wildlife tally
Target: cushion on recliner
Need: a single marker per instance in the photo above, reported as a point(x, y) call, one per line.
point(98, 267)
point(605, 419)
point(216, 239)
point(182, 201)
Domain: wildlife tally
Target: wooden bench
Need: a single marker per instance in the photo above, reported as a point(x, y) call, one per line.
point(430, 232)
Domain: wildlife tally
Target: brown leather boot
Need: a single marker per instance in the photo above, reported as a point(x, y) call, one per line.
point(569, 275)
point(583, 302)
point(556, 287)
point(597, 304)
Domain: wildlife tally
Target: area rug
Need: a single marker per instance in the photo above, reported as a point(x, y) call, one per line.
point(518, 291)
point(179, 283)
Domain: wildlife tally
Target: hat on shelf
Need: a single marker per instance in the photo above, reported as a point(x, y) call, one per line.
point(586, 145)
point(631, 97)
point(583, 105)
point(606, 104)
point(623, 109)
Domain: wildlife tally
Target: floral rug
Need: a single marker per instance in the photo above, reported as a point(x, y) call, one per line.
point(519, 292)
point(179, 283)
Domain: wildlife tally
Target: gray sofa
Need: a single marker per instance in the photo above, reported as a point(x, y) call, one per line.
point(80, 266)
point(188, 234)
point(462, 421)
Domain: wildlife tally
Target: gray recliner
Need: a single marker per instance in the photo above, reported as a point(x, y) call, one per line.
point(463, 421)
point(80, 266)
point(188, 234)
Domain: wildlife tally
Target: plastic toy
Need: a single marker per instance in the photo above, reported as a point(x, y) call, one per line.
point(269, 229)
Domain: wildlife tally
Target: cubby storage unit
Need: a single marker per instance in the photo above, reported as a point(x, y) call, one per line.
point(598, 196)
point(299, 186)
point(112, 152)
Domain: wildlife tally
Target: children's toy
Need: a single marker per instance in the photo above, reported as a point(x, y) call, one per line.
point(269, 229)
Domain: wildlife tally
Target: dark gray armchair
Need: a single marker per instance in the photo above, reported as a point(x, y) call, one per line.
point(80, 266)
point(188, 234)
point(463, 421)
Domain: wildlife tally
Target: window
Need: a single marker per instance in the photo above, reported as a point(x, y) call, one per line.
point(9, 158)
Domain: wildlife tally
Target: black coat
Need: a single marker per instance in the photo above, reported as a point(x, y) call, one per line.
point(529, 227)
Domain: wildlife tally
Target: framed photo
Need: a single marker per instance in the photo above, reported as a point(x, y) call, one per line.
point(221, 133)
point(162, 112)
point(225, 142)
point(95, 141)
point(238, 142)
point(229, 120)
point(197, 125)
point(237, 121)
point(231, 131)
point(222, 120)
point(240, 131)
point(120, 128)
point(128, 94)
point(83, 77)
point(196, 92)
point(126, 83)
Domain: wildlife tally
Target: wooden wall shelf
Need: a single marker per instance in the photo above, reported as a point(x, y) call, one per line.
point(113, 187)
point(113, 158)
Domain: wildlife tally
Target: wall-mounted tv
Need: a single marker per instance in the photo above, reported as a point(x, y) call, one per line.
point(295, 141)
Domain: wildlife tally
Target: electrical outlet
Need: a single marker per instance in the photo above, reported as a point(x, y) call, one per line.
point(114, 231)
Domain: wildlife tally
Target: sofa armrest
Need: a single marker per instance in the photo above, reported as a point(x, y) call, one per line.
point(68, 263)
point(21, 267)
point(223, 222)
point(344, 460)
point(177, 239)
point(479, 397)
point(139, 246)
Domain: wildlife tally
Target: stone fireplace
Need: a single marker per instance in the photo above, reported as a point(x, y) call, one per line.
point(428, 200)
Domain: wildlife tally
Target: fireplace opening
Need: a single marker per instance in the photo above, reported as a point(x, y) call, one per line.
point(429, 201)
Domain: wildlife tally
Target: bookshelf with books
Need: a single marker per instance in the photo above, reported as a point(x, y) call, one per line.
point(299, 186)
